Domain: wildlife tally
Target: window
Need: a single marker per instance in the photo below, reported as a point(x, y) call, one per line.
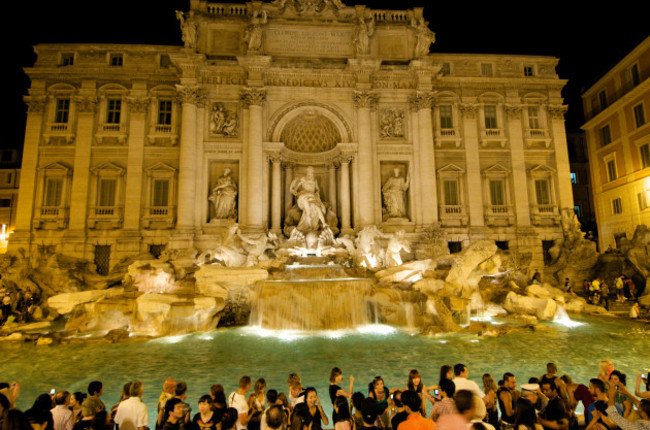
point(612, 174)
point(542, 192)
point(62, 111)
point(454, 247)
point(533, 118)
point(486, 69)
point(106, 192)
point(67, 59)
point(497, 192)
point(605, 135)
point(53, 192)
point(490, 116)
point(5, 203)
point(602, 98)
point(633, 75)
point(578, 211)
point(574, 178)
point(165, 112)
point(639, 115)
point(116, 60)
point(451, 193)
point(644, 199)
point(529, 70)
point(645, 155)
point(446, 117)
point(113, 110)
point(102, 258)
point(617, 206)
point(160, 193)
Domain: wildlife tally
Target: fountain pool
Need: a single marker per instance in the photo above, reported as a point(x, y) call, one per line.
point(222, 356)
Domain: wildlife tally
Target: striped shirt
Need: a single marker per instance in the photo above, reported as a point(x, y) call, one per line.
point(63, 417)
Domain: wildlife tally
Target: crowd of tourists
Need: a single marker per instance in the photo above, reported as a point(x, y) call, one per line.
point(454, 403)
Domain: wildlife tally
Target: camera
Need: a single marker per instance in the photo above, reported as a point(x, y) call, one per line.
point(436, 392)
point(52, 391)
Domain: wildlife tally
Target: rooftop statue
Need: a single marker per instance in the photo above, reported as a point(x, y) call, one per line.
point(424, 37)
point(365, 30)
point(189, 28)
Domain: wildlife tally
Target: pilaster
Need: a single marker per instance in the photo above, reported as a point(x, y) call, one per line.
point(365, 101)
point(475, 204)
point(519, 174)
point(562, 164)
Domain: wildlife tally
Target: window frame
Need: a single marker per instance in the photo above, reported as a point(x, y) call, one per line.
point(638, 111)
point(617, 206)
point(605, 135)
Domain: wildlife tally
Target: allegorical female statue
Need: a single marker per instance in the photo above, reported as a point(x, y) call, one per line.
point(224, 196)
point(308, 201)
point(394, 195)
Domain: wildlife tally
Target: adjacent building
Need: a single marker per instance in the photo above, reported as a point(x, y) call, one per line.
point(618, 139)
point(128, 147)
point(9, 181)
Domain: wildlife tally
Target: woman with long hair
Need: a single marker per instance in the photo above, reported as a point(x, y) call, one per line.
point(617, 378)
point(415, 383)
point(446, 372)
point(526, 417)
point(490, 390)
point(256, 404)
point(336, 376)
point(315, 409)
point(343, 417)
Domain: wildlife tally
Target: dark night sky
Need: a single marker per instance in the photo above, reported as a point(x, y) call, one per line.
point(587, 41)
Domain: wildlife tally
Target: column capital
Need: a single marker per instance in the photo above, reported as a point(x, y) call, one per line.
point(557, 111)
point(468, 110)
point(190, 94)
point(36, 103)
point(86, 104)
point(423, 100)
point(253, 96)
point(365, 99)
point(513, 111)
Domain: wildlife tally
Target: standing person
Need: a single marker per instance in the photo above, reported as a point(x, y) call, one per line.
point(167, 393)
point(526, 417)
point(491, 406)
point(61, 414)
point(76, 399)
point(446, 372)
point(342, 414)
point(180, 393)
point(95, 390)
point(464, 400)
point(605, 368)
point(551, 375)
point(446, 405)
point(256, 404)
point(604, 293)
point(274, 417)
point(126, 389)
point(315, 409)
point(219, 403)
point(400, 411)
point(414, 420)
point(132, 413)
point(336, 376)
point(415, 383)
point(507, 396)
point(462, 383)
point(42, 409)
point(206, 417)
point(619, 284)
point(237, 400)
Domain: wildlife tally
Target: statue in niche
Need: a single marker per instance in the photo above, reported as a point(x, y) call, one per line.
point(254, 31)
point(365, 30)
point(392, 123)
point(224, 196)
point(189, 28)
point(308, 201)
point(222, 121)
point(394, 195)
point(424, 37)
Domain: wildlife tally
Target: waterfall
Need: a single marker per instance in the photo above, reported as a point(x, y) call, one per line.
point(561, 317)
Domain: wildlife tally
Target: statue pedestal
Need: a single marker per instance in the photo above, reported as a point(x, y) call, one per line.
point(393, 225)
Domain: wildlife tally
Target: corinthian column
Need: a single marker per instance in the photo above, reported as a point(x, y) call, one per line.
point(345, 195)
point(276, 195)
point(364, 102)
point(422, 102)
point(190, 97)
point(253, 219)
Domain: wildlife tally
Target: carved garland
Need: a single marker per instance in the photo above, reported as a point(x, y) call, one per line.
point(138, 104)
point(468, 110)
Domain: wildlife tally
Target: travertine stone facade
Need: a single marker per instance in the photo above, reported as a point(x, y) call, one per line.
point(133, 146)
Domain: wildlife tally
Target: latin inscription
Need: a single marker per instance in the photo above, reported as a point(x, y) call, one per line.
point(309, 42)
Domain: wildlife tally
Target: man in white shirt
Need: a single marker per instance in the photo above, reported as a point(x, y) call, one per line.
point(462, 383)
point(63, 417)
point(237, 400)
point(132, 413)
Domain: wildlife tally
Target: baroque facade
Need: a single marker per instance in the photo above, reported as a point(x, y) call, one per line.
point(134, 148)
point(618, 140)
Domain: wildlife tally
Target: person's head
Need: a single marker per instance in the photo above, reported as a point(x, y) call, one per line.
point(566, 379)
point(301, 418)
point(5, 405)
point(529, 392)
point(488, 382)
point(446, 372)
point(174, 408)
point(229, 419)
point(357, 400)
point(525, 413)
point(275, 417)
point(14, 419)
point(260, 387)
point(397, 398)
point(411, 401)
point(62, 398)
point(336, 375)
point(447, 388)
point(293, 379)
point(509, 381)
point(342, 408)
point(245, 383)
point(181, 389)
point(218, 394)
point(95, 388)
point(551, 368)
point(169, 385)
point(282, 399)
point(596, 387)
point(77, 398)
point(549, 389)
point(605, 367)
point(136, 389)
point(43, 402)
point(617, 378)
point(378, 384)
point(414, 381)
point(311, 396)
point(478, 407)
point(272, 396)
point(205, 403)
point(369, 410)
point(461, 370)
point(295, 389)
point(464, 402)
point(37, 419)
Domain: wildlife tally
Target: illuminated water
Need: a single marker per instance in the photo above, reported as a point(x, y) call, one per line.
point(223, 356)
